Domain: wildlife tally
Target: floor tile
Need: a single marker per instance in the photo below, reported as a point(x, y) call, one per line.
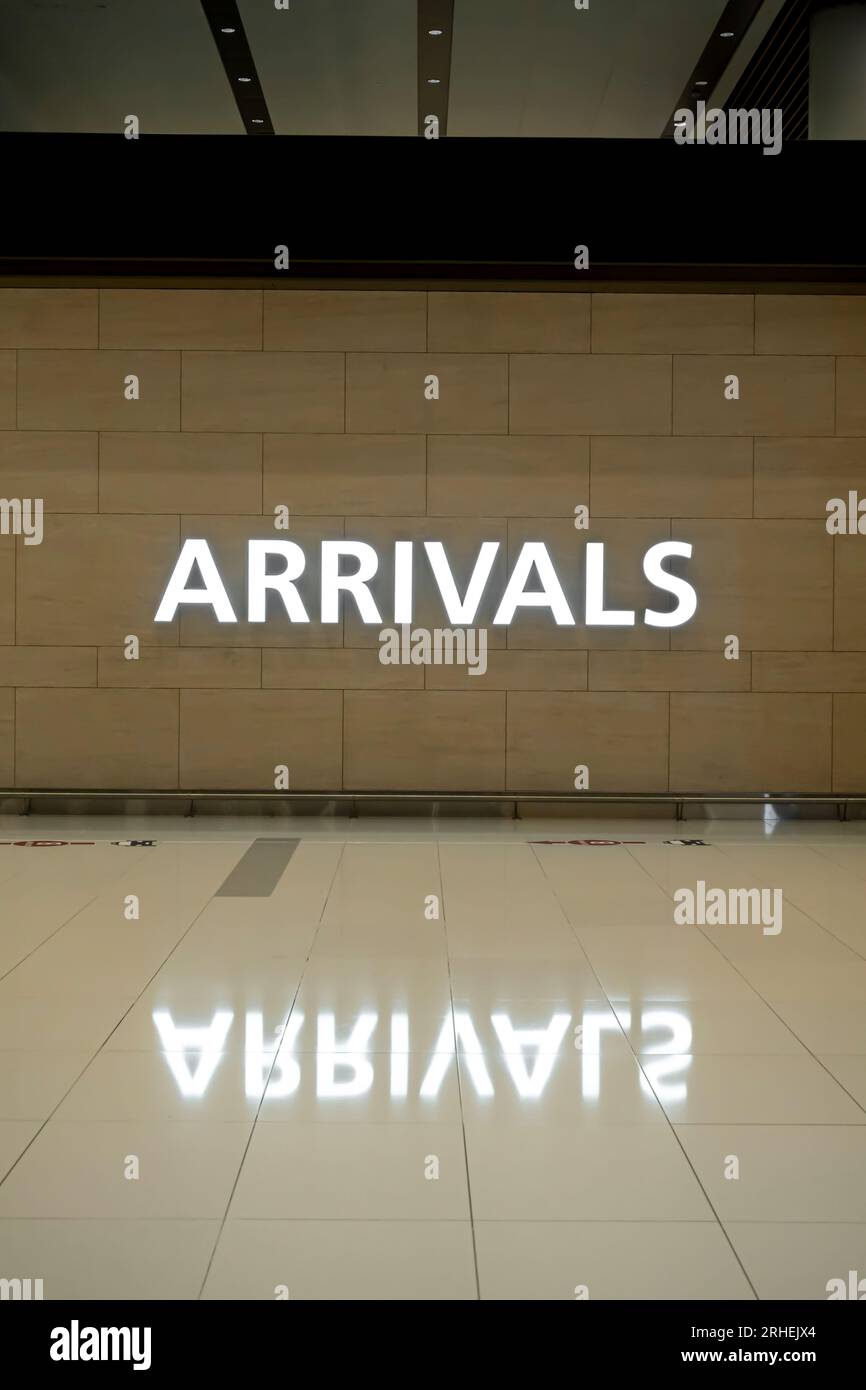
point(380, 883)
point(588, 1173)
point(78, 1170)
point(93, 1259)
point(555, 1089)
point(786, 1172)
point(490, 892)
point(705, 1027)
point(603, 886)
point(33, 1083)
point(15, 1135)
point(660, 963)
point(850, 1072)
point(147, 1087)
point(752, 1091)
point(226, 1012)
point(74, 963)
point(356, 1260)
point(798, 1260)
point(51, 1022)
point(833, 1025)
point(379, 1172)
point(572, 1260)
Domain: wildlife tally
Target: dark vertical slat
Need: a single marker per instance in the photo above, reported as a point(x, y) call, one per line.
point(778, 75)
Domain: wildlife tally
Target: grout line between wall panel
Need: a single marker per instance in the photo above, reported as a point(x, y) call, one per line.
point(669, 704)
point(672, 395)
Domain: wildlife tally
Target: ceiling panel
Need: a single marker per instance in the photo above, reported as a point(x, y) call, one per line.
point(337, 67)
point(542, 68)
point(350, 67)
point(83, 65)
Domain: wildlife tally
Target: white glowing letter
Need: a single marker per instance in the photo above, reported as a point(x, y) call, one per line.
point(550, 595)
point(461, 611)
point(403, 581)
point(195, 552)
point(354, 584)
point(258, 580)
point(680, 588)
point(596, 614)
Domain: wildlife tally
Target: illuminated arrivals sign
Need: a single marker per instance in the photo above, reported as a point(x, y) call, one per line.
point(349, 567)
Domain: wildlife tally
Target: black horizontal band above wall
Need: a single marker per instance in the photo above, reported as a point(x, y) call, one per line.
point(214, 206)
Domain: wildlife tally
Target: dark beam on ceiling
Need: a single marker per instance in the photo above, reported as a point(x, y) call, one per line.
point(435, 25)
point(223, 17)
point(734, 20)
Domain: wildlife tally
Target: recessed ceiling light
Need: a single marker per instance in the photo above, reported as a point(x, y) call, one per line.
point(227, 31)
point(727, 34)
point(434, 81)
point(700, 84)
point(434, 32)
point(245, 79)
point(257, 120)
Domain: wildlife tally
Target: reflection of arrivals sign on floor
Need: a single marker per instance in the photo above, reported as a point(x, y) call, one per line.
point(276, 565)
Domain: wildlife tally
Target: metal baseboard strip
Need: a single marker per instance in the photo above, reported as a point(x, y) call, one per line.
point(573, 798)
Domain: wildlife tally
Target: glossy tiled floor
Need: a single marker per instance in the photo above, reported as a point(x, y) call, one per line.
point(429, 1061)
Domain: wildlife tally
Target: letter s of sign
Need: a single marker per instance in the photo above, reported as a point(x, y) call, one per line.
point(680, 588)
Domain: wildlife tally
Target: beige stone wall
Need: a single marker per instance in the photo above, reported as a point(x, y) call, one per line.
point(252, 398)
